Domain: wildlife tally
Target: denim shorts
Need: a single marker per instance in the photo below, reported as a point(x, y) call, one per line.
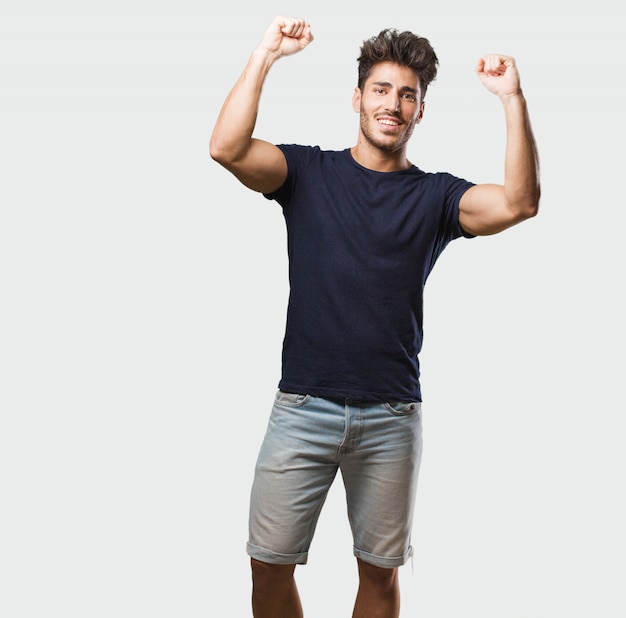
point(377, 446)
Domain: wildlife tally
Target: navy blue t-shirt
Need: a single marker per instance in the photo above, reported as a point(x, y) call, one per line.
point(361, 244)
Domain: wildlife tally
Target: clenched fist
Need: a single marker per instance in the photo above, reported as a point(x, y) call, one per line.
point(499, 74)
point(286, 35)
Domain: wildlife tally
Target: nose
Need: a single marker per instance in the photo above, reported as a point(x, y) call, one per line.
point(393, 102)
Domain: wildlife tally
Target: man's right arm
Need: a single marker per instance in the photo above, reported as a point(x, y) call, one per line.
point(258, 164)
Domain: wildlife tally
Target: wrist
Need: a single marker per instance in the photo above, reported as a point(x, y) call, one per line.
point(513, 98)
point(264, 56)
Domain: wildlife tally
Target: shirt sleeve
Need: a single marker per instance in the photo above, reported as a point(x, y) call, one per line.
point(296, 157)
point(455, 189)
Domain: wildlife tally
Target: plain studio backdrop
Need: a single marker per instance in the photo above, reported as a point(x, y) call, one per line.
point(143, 294)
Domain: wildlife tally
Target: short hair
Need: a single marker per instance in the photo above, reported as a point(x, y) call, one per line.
point(404, 48)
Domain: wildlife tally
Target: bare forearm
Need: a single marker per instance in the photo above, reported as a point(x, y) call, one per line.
point(232, 133)
point(521, 171)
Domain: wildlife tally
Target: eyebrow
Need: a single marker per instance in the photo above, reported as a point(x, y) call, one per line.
point(390, 85)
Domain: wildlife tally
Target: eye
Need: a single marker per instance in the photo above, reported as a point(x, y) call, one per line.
point(410, 97)
point(379, 90)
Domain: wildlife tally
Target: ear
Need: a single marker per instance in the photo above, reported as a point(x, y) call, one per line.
point(420, 114)
point(356, 100)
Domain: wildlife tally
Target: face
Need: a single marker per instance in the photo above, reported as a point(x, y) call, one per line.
point(389, 105)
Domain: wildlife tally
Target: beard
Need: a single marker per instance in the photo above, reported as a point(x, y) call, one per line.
point(390, 143)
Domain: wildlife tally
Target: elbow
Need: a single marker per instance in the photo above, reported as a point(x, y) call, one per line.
point(531, 210)
point(533, 205)
point(217, 152)
point(528, 212)
point(224, 151)
point(529, 206)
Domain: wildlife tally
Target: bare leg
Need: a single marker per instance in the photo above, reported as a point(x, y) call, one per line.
point(274, 592)
point(379, 592)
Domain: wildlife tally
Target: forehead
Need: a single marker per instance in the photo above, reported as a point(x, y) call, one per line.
point(397, 75)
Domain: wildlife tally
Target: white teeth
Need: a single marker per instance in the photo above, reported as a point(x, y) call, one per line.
point(389, 122)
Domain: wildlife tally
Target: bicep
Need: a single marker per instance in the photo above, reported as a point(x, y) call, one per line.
point(484, 210)
point(262, 168)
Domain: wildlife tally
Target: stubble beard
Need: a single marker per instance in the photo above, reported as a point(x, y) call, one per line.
point(384, 146)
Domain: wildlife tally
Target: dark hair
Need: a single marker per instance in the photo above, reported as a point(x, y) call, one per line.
point(404, 48)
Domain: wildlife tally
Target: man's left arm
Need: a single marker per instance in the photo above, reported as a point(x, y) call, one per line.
point(489, 208)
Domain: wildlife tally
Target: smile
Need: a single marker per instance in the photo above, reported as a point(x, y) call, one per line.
point(388, 122)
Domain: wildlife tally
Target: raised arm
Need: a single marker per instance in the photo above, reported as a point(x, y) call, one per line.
point(486, 208)
point(259, 165)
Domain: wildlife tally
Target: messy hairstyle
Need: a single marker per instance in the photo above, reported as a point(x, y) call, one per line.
point(404, 48)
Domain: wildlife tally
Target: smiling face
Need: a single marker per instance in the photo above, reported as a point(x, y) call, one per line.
point(390, 105)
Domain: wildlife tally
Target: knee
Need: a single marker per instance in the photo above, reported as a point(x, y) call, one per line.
point(379, 577)
point(269, 575)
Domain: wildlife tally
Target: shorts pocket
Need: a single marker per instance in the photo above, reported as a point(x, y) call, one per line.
point(292, 400)
point(403, 408)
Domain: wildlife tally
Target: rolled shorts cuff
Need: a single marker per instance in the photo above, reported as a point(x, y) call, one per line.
point(265, 555)
point(383, 561)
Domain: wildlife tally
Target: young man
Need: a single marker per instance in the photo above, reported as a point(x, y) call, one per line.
point(365, 228)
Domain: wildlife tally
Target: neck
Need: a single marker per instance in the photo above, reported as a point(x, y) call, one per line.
point(379, 160)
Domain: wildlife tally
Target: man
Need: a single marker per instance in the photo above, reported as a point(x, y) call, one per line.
point(365, 227)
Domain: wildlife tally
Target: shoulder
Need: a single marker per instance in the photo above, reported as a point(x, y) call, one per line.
point(447, 183)
point(312, 160)
point(305, 152)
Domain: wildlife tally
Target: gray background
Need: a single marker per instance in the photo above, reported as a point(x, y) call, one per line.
point(143, 297)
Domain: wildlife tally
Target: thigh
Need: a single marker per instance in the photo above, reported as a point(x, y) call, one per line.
point(380, 476)
point(296, 466)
